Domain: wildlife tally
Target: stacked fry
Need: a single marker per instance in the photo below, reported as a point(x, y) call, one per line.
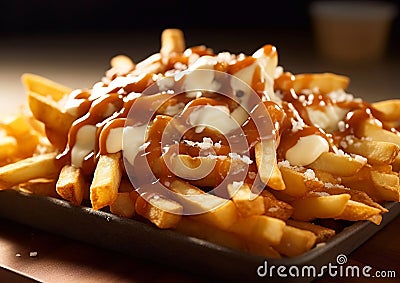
point(328, 158)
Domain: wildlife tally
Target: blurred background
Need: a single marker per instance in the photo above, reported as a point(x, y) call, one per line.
point(72, 41)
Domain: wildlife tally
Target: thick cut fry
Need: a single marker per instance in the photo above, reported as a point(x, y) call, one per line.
point(295, 241)
point(172, 42)
point(122, 62)
point(396, 164)
point(322, 233)
point(42, 187)
point(355, 211)
point(325, 82)
point(57, 121)
point(265, 153)
point(16, 126)
point(297, 183)
point(276, 208)
point(377, 152)
point(8, 147)
point(210, 233)
point(217, 211)
point(375, 132)
point(340, 165)
point(326, 177)
point(388, 187)
point(71, 184)
point(261, 229)
point(39, 166)
point(28, 145)
point(390, 109)
point(355, 195)
point(124, 205)
point(163, 212)
point(376, 218)
point(376, 181)
point(310, 208)
point(246, 202)
point(44, 86)
point(106, 180)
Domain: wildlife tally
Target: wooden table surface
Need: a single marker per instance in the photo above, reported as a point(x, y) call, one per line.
point(59, 259)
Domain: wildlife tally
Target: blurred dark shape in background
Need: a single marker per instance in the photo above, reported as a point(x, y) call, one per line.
point(46, 16)
point(72, 41)
point(31, 16)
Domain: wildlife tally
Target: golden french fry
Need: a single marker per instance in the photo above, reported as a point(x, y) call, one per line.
point(310, 208)
point(326, 177)
point(388, 187)
point(356, 195)
point(355, 211)
point(44, 86)
point(295, 241)
point(325, 82)
point(297, 183)
point(172, 42)
point(260, 229)
point(106, 180)
point(396, 164)
point(375, 132)
point(39, 166)
point(71, 184)
point(57, 121)
point(149, 65)
point(28, 145)
point(124, 205)
point(16, 126)
point(42, 187)
point(390, 109)
point(218, 212)
point(8, 147)
point(265, 153)
point(377, 152)
point(338, 164)
point(322, 233)
point(246, 202)
point(376, 219)
point(163, 212)
point(276, 208)
point(210, 233)
point(122, 62)
point(362, 181)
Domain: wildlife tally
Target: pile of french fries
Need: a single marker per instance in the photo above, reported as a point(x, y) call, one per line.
point(349, 182)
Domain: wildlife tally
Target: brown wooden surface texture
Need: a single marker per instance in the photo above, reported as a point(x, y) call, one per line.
point(63, 260)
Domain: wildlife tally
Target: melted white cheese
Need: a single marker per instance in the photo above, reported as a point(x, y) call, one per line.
point(306, 150)
point(213, 117)
point(85, 142)
point(201, 80)
point(114, 140)
point(328, 118)
point(133, 140)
